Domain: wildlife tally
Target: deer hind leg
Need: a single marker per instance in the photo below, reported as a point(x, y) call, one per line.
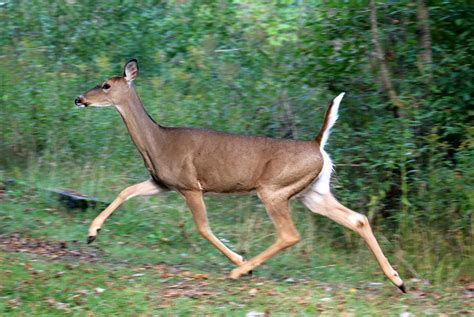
point(146, 188)
point(327, 205)
point(287, 235)
point(195, 201)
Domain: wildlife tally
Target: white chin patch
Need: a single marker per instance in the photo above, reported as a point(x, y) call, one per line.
point(100, 105)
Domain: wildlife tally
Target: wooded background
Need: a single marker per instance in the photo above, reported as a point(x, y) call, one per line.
point(403, 146)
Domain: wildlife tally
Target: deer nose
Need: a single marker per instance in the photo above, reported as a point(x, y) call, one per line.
point(78, 101)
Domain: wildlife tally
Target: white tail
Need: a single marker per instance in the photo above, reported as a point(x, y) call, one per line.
point(322, 183)
point(332, 114)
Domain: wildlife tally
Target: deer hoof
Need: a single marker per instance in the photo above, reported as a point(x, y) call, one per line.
point(90, 239)
point(402, 288)
point(243, 263)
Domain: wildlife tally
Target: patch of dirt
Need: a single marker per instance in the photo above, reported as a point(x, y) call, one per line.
point(190, 284)
point(190, 289)
point(50, 249)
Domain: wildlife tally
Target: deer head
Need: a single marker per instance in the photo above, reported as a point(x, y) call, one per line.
point(112, 91)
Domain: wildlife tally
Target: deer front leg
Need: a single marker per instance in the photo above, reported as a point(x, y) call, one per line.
point(279, 212)
point(327, 205)
point(146, 188)
point(195, 201)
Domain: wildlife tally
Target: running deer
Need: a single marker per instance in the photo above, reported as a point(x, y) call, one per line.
point(198, 161)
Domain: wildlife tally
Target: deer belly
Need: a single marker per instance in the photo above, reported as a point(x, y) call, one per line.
point(227, 181)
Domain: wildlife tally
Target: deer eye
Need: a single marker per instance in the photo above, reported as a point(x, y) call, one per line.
point(105, 86)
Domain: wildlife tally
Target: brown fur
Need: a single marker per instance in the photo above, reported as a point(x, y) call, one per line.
point(197, 161)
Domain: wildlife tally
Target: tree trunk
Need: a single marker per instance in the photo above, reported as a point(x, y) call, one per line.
point(380, 55)
point(424, 40)
point(288, 118)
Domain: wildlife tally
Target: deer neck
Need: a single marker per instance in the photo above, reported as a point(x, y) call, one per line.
point(144, 131)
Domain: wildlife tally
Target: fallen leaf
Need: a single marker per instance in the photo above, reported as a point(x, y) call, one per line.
point(201, 277)
point(166, 275)
point(14, 302)
point(188, 293)
point(99, 290)
point(418, 294)
point(255, 314)
point(82, 291)
point(186, 274)
point(375, 283)
point(59, 305)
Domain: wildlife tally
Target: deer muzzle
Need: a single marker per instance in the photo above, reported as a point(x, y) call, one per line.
point(79, 101)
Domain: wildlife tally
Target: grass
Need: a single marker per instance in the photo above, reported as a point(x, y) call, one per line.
point(149, 259)
point(35, 286)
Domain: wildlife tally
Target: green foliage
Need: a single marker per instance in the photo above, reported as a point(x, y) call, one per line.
point(265, 68)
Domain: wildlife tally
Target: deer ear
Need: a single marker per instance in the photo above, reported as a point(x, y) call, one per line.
point(130, 71)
